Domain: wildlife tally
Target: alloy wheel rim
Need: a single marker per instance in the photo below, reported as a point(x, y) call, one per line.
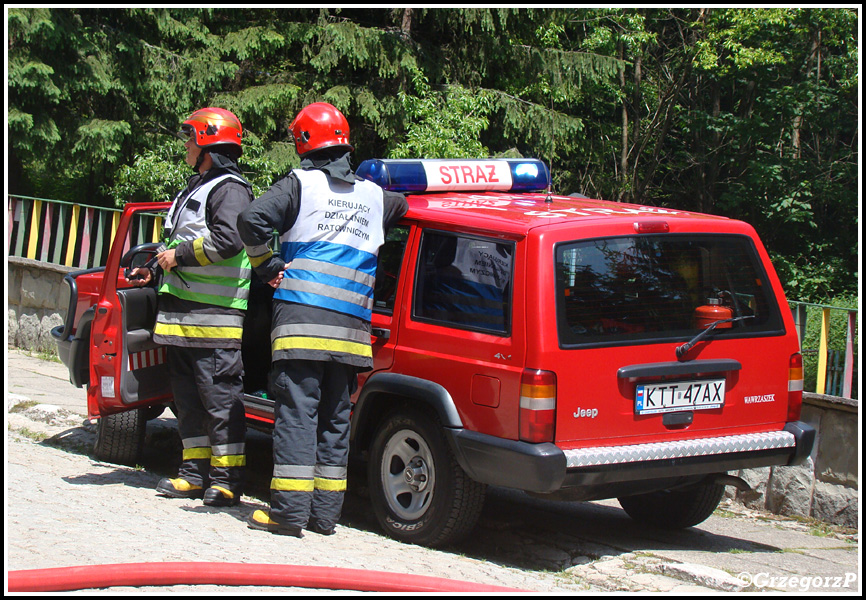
point(408, 475)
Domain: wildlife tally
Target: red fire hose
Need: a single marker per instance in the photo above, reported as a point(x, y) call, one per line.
point(198, 573)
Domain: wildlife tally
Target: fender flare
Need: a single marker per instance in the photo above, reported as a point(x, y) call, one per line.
point(536, 467)
point(406, 387)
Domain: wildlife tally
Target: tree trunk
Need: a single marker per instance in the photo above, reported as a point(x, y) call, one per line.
point(406, 25)
point(814, 56)
point(623, 160)
point(636, 109)
point(406, 33)
point(707, 197)
point(661, 123)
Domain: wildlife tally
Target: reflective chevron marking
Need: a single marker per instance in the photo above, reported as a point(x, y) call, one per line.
point(148, 358)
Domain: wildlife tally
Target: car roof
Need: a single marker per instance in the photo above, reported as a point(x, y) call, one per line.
point(518, 213)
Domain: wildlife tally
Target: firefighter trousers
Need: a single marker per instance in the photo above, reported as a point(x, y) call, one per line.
point(208, 392)
point(311, 441)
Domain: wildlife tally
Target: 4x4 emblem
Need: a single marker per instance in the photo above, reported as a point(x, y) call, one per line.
point(501, 356)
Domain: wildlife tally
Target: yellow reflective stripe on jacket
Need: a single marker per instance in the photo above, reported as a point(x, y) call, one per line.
point(330, 485)
point(292, 485)
point(312, 343)
point(261, 254)
point(198, 248)
point(197, 331)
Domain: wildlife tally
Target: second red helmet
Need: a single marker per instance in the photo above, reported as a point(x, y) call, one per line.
point(319, 125)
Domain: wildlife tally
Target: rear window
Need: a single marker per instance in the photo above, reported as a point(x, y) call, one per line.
point(646, 288)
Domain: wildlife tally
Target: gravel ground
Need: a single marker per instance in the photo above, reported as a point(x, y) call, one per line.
point(64, 509)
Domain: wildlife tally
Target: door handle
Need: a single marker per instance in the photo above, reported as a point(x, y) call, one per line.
point(381, 332)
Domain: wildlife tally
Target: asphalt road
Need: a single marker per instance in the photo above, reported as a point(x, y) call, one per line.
point(66, 509)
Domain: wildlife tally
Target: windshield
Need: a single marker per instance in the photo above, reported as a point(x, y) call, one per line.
point(648, 288)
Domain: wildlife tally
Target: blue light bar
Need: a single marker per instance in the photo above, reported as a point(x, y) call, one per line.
point(464, 175)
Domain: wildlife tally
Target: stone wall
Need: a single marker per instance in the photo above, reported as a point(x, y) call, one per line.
point(38, 301)
point(825, 487)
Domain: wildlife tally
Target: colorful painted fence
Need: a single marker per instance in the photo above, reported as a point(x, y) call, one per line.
point(835, 369)
point(77, 235)
point(74, 235)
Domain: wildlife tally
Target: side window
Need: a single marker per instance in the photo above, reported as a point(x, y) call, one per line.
point(464, 282)
point(388, 268)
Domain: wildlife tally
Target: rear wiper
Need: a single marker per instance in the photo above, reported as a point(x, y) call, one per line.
point(683, 350)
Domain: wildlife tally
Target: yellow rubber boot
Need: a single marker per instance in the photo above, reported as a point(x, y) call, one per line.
point(262, 521)
point(179, 488)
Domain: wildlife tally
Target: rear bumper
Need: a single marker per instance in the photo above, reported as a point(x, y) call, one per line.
point(545, 468)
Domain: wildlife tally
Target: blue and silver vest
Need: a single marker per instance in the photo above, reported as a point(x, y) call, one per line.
point(333, 245)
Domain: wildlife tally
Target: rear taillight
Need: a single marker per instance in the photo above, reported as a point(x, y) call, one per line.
point(537, 406)
point(795, 387)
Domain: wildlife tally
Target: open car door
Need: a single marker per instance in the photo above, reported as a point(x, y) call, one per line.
point(144, 375)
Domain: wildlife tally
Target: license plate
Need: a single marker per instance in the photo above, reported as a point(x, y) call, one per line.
point(679, 395)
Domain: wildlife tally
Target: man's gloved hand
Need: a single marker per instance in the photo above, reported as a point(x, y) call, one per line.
point(275, 282)
point(140, 276)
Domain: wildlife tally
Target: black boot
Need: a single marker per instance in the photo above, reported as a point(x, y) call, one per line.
point(179, 488)
point(216, 495)
point(320, 530)
point(262, 521)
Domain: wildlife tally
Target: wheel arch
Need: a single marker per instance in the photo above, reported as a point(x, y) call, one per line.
point(384, 391)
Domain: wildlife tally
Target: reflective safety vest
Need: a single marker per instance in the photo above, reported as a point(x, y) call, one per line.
point(224, 282)
point(333, 245)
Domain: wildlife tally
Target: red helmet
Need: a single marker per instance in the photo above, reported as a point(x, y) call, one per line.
point(319, 125)
point(211, 126)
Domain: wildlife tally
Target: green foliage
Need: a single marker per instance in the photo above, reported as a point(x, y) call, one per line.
point(812, 281)
point(446, 125)
point(259, 107)
point(260, 167)
point(837, 335)
point(749, 113)
point(738, 40)
point(157, 174)
point(101, 138)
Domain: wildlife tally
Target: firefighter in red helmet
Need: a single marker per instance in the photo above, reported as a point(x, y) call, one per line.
point(331, 224)
point(205, 284)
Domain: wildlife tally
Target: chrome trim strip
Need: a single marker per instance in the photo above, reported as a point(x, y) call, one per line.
point(614, 455)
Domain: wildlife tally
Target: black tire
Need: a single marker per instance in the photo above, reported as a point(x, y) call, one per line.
point(674, 509)
point(120, 437)
point(419, 492)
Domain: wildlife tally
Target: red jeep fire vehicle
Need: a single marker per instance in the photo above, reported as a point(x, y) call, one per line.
point(572, 348)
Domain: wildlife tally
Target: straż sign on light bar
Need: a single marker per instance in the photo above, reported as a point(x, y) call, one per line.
point(465, 175)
